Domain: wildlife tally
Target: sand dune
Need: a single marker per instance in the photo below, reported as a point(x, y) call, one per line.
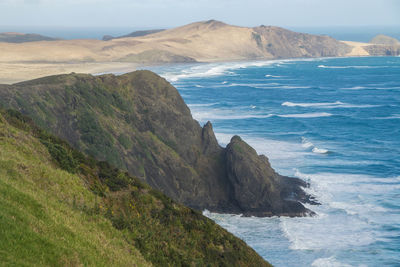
point(357, 49)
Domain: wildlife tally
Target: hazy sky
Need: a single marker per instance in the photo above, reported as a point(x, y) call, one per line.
point(168, 13)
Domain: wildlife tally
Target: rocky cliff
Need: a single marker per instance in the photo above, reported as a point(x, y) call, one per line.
point(283, 43)
point(139, 122)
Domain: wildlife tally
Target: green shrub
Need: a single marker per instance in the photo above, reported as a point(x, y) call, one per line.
point(63, 157)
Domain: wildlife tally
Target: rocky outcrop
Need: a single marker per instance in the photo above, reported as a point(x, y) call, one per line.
point(383, 50)
point(257, 188)
point(384, 40)
point(132, 34)
point(282, 43)
point(139, 122)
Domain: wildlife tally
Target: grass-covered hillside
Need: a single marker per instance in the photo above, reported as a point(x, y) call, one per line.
point(61, 208)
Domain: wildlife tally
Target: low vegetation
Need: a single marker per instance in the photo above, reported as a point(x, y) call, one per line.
point(60, 207)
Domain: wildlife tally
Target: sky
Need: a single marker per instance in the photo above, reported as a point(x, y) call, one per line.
point(171, 13)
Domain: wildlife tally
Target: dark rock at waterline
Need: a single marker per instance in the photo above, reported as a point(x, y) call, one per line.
point(257, 189)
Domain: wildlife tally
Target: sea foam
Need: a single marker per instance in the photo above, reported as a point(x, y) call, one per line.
point(306, 115)
point(328, 105)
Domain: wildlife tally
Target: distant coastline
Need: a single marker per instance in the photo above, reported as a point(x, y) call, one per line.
point(11, 72)
point(355, 33)
point(204, 41)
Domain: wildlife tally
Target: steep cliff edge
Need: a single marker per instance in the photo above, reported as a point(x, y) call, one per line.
point(139, 122)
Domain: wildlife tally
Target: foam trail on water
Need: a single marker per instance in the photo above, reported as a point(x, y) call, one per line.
point(330, 262)
point(273, 76)
point(205, 115)
point(307, 144)
point(343, 220)
point(306, 115)
point(291, 104)
point(337, 104)
point(218, 69)
point(320, 150)
point(202, 105)
point(355, 88)
point(350, 67)
point(226, 115)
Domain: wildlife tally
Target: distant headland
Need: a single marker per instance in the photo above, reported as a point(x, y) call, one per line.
point(205, 41)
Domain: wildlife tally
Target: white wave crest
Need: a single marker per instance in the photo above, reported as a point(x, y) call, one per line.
point(216, 114)
point(346, 216)
point(273, 76)
point(202, 105)
point(291, 104)
point(330, 105)
point(320, 150)
point(307, 144)
point(350, 67)
point(355, 88)
point(306, 115)
point(226, 115)
point(218, 69)
point(329, 262)
point(393, 117)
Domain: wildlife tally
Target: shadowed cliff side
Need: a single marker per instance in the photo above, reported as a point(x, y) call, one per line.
point(139, 122)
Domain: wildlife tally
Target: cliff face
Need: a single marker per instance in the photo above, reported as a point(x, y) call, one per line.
point(282, 43)
point(383, 50)
point(139, 122)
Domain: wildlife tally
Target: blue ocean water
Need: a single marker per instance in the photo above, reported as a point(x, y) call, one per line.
point(334, 122)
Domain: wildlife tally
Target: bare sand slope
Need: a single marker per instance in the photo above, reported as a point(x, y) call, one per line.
point(16, 72)
point(357, 49)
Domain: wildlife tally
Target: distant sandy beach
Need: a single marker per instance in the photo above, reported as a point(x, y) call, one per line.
point(17, 72)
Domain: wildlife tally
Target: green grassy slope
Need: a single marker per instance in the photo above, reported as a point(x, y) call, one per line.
point(58, 207)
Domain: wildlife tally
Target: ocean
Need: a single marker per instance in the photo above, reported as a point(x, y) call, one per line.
point(334, 122)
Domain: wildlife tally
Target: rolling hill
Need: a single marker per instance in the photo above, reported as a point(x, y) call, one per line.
point(14, 37)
